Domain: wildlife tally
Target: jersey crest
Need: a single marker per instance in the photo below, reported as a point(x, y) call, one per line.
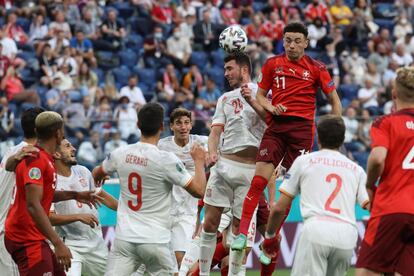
point(35, 173)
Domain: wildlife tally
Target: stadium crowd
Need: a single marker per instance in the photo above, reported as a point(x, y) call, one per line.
point(97, 62)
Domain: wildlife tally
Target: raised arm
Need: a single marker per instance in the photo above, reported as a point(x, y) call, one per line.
point(335, 102)
point(247, 95)
point(375, 167)
point(108, 200)
point(197, 186)
point(60, 219)
point(15, 159)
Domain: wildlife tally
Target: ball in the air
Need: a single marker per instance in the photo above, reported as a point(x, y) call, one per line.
point(233, 39)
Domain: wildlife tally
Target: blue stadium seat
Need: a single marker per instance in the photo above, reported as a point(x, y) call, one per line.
point(27, 77)
point(385, 23)
point(148, 93)
point(258, 6)
point(349, 91)
point(200, 59)
point(217, 74)
point(384, 10)
point(313, 54)
point(141, 26)
point(217, 58)
point(24, 23)
point(100, 74)
point(121, 75)
point(128, 58)
point(134, 42)
point(107, 60)
point(124, 9)
point(146, 76)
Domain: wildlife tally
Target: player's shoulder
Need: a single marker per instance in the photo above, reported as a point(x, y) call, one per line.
point(81, 170)
point(388, 119)
point(165, 141)
point(166, 157)
point(314, 63)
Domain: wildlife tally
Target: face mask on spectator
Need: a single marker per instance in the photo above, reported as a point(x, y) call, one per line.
point(158, 36)
point(124, 106)
point(177, 35)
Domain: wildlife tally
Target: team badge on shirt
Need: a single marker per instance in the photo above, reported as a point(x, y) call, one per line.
point(35, 173)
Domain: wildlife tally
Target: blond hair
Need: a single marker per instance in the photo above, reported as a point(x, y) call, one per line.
point(47, 123)
point(404, 84)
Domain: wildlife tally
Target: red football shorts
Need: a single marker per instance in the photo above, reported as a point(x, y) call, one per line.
point(288, 137)
point(388, 245)
point(34, 258)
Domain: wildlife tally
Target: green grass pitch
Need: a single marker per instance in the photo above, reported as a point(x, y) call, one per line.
point(281, 272)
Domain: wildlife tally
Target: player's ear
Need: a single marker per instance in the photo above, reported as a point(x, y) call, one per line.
point(57, 155)
point(307, 43)
point(394, 94)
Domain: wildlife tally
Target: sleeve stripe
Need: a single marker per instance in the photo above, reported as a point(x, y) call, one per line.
point(286, 193)
point(188, 183)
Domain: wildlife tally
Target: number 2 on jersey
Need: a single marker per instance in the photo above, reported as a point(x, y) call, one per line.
point(135, 187)
point(338, 179)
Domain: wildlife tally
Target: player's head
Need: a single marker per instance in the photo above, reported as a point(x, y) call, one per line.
point(66, 153)
point(237, 69)
point(295, 40)
point(151, 119)
point(28, 121)
point(404, 85)
point(331, 131)
point(181, 123)
point(49, 126)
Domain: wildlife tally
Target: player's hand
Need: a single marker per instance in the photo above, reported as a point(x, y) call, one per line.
point(246, 92)
point(276, 110)
point(63, 255)
point(213, 157)
point(88, 219)
point(101, 182)
point(90, 198)
point(197, 153)
point(28, 150)
point(270, 247)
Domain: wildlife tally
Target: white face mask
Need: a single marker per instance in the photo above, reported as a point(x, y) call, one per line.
point(403, 21)
point(355, 54)
point(177, 35)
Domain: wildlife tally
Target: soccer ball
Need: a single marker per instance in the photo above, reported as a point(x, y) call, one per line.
point(233, 39)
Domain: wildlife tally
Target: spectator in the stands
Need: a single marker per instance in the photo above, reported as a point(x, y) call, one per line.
point(185, 8)
point(82, 46)
point(178, 48)
point(67, 58)
point(125, 116)
point(403, 27)
point(14, 89)
point(47, 65)
point(60, 24)
point(408, 42)
point(209, 95)
point(401, 56)
point(14, 31)
point(341, 13)
point(6, 120)
point(383, 38)
point(355, 65)
point(351, 142)
point(71, 10)
point(114, 142)
point(192, 81)
point(245, 8)
point(113, 30)
point(256, 29)
point(38, 32)
point(187, 26)
point(205, 34)
point(155, 49)
point(229, 13)
point(363, 22)
point(90, 152)
point(364, 128)
point(317, 9)
point(162, 15)
point(168, 85)
point(56, 100)
point(316, 32)
point(58, 42)
point(86, 81)
point(380, 58)
point(101, 117)
point(77, 118)
point(10, 50)
point(368, 96)
point(390, 74)
point(215, 16)
point(4, 63)
point(133, 92)
point(89, 26)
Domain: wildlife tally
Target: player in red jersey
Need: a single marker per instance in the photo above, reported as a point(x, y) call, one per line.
point(388, 245)
point(294, 79)
point(27, 223)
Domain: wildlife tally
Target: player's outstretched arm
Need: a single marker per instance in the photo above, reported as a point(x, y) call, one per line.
point(213, 142)
point(59, 219)
point(267, 105)
point(15, 159)
point(375, 166)
point(87, 197)
point(108, 200)
point(34, 194)
point(197, 185)
point(99, 175)
point(335, 102)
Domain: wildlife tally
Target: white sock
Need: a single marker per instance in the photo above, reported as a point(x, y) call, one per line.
point(190, 257)
point(235, 258)
point(242, 271)
point(208, 243)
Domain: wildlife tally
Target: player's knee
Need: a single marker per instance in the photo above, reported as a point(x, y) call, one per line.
point(210, 225)
point(277, 209)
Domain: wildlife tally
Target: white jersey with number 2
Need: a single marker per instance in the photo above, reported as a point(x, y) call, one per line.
point(147, 175)
point(330, 185)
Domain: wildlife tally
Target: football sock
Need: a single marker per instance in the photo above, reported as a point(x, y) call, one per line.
point(251, 200)
point(207, 248)
point(191, 256)
point(267, 270)
point(219, 254)
point(242, 271)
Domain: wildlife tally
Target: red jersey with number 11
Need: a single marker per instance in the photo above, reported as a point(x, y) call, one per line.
point(294, 84)
point(39, 170)
point(395, 193)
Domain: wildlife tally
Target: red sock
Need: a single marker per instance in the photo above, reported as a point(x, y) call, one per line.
point(219, 254)
point(196, 272)
point(257, 187)
point(267, 270)
point(224, 270)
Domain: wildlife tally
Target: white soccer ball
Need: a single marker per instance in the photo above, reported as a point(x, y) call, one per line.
point(233, 39)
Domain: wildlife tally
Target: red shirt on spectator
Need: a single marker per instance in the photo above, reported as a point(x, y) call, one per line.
point(294, 84)
point(163, 14)
point(39, 170)
point(274, 30)
point(255, 33)
point(13, 87)
point(320, 10)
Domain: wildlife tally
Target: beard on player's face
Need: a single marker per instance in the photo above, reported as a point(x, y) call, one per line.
point(237, 80)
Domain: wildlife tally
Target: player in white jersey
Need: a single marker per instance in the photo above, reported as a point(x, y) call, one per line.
point(330, 185)
point(77, 223)
point(241, 129)
point(184, 206)
point(8, 180)
point(147, 175)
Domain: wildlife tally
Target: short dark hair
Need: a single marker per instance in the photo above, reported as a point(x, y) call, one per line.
point(47, 124)
point(150, 119)
point(179, 112)
point(331, 131)
point(296, 27)
point(241, 59)
point(28, 121)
